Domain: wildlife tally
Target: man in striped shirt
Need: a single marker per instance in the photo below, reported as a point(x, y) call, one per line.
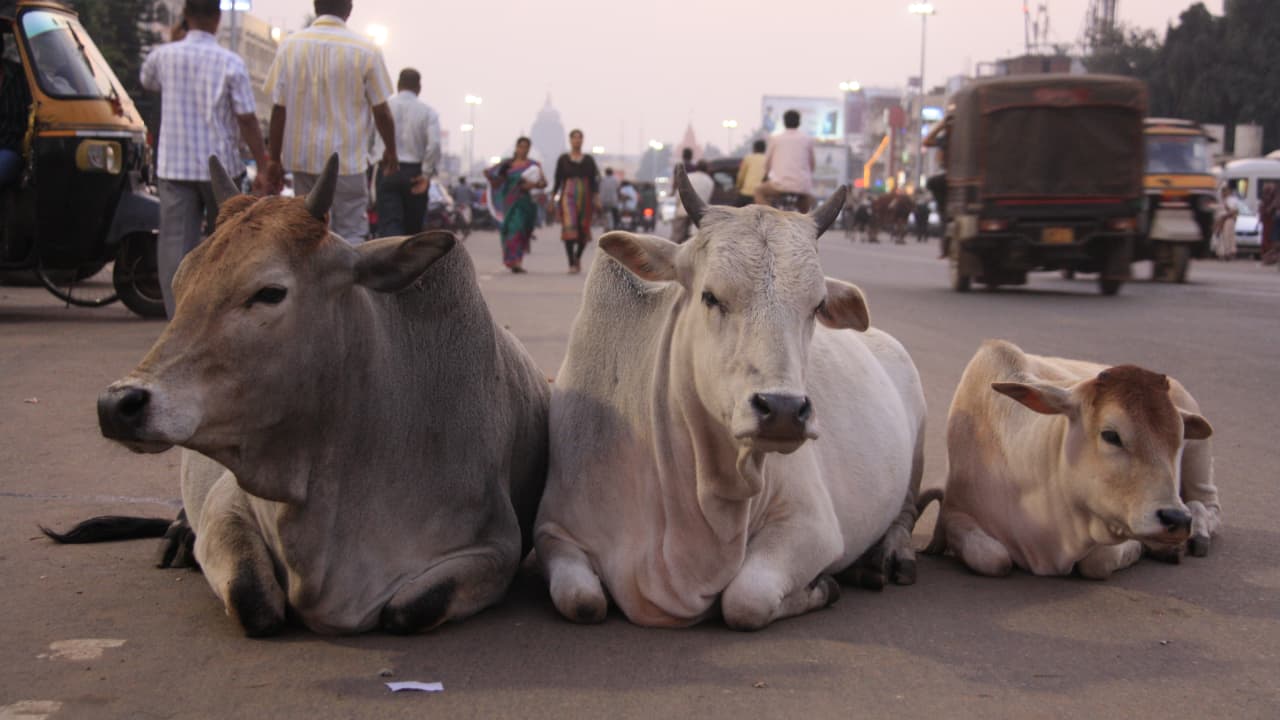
point(206, 108)
point(326, 83)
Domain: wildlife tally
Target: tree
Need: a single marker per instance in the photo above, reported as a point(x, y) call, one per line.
point(122, 31)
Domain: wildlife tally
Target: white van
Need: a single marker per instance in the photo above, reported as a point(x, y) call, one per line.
point(1248, 177)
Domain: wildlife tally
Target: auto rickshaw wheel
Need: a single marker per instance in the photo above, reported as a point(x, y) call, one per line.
point(136, 276)
point(1109, 286)
point(959, 281)
point(68, 287)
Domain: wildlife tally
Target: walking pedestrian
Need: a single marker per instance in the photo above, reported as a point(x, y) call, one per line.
point(750, 174)
point(1225, 224)
point(788, 165)
point(402, 196)
point(511, 184)
point(309, 124)
point(463, 197)
point(702, 183)
point(609, 198)
point(1269, 215)
point(206, 109)
point(577, 188)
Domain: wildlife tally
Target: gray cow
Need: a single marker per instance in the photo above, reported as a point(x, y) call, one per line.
point(364, 446)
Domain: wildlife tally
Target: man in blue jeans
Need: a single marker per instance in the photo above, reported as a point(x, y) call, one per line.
point(206, 108)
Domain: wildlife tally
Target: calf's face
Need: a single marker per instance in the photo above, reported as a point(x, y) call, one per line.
point(753, 291)
point(1122, 450)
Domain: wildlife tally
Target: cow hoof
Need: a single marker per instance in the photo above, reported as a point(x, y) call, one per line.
point(423, 612)
point(588, 613)
point(904, 571)
point(829, 587)
point(248, 602)
point(178, 548)
point(1198, 545)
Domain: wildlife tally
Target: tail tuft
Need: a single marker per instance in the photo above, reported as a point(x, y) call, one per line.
point(109, 528)
point(927, 497)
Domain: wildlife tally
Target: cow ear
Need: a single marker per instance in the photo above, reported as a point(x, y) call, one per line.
point(392, 264)
point(648, 257)
point(845, 307)
point(1042, 398)
point(1195, 427)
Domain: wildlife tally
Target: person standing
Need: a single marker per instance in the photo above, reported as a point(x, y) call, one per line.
point(788, 165)
point(327, 83)
point(609, 198)
point(402, 196)
point(463, 197)
point(750, 174)
point(576, 189)
point(206, 109)
point(1269, 215)
point(1225, 225)
point(15, 109)
point(511, 184)
point(703, 184)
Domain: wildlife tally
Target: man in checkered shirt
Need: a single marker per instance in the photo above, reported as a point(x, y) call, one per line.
point(206, 108)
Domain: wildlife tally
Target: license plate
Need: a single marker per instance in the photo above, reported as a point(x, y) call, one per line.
point(1057, 236)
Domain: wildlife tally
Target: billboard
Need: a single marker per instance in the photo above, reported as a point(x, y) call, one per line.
point(823, 118)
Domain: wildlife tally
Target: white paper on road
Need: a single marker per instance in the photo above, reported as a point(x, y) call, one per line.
point(415, 685)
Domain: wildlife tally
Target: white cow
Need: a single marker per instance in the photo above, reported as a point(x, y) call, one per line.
point(1057, 464)
point(365, 446)
point(726, 429)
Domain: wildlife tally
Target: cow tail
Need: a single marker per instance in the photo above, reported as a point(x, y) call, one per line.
point(938, 544)
point(107, 528)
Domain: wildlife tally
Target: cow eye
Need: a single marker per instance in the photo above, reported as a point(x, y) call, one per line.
point(271, 295)
point(1111, 437)
point(821, 306)
point(710, 300)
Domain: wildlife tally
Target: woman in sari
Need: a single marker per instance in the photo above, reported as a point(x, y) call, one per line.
point(578, 187)
point(512, 183)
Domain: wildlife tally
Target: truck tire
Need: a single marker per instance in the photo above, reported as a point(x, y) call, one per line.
point(136, 276)
point(1179, 263)
point(1109, 286)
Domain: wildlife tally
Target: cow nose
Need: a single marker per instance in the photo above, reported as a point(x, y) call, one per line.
point(121, 411)
point(782, 416)
point(1174, 520)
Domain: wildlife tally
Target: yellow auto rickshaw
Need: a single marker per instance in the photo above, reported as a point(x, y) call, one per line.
point(1181, 195)
point(80, 199)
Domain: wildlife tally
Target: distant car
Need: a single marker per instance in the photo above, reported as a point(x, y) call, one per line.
point(1248, 232)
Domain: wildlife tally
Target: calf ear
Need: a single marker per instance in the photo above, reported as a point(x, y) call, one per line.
point(1195, 427)
point(1044, 399)
point(392, 264)
point(648, 257)
point(845, 307)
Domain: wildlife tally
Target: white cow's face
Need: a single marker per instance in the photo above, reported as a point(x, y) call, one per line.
point(261, 335)
point(1123, 450)
point(754, 289)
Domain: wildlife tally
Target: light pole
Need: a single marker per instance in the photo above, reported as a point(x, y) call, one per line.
point(729, 126)
point(655, 147)
point(470, 129)
point(924, 10)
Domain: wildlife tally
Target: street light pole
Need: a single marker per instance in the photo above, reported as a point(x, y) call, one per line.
point(924, 10)
point(729, 126)
point(472, 101)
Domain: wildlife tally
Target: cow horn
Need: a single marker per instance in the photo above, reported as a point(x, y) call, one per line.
point(320, 199)
point(827, 212)
point(224, 188)
point(693, 204)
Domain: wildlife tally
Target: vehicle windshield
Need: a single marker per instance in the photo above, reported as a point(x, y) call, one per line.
point(66, 62)
point(1177, 154)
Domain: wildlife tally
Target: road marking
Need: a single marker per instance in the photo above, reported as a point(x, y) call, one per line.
point(29, 710)
point(80, 649)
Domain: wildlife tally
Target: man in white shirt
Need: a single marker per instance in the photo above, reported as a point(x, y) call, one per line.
point(1225, 224)
point(703, 184)
point(308, 125)
point(401, 196)
point(207, 108)
point(788, 165)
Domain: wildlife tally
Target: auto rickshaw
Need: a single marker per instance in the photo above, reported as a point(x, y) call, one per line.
point(1181, 196)
point(81, 200)
point(1042, 172)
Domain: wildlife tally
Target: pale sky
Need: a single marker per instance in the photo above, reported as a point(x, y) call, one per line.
point(626, 72)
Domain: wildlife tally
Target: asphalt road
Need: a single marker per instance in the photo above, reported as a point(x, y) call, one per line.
point(97, 632)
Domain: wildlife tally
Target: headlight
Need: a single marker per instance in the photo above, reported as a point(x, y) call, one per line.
point(102, 156)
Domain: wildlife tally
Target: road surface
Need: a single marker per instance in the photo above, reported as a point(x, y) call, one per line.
point(97, 632)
